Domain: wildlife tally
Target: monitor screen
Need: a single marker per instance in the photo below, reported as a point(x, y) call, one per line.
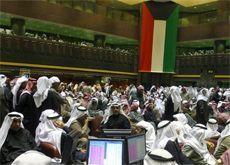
point(136, 148)
point(105, 151)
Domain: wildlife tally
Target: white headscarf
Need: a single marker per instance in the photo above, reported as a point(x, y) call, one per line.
point(183, 119)
point(29, 157)
point(133, 90)
point(203, 96)
point(176, 98)
point(43, 86)
point(150, 134)
point(159, 157)
point(16, 87)
point(160, 106)
point(2, 80)
point(92, 106)
point(47, 131)
point(223, 134)
point(137, 103)
point(54, 79)
point(212, 127)
point(197, 142)
point(192, 92)
point(7, 124)
point(153, 87)
point(166, 91)
point(165, 132)
point(227, 95)
point(77, 112)
point(211, 90)
point(44, 115)
point(220, 103)
point(109, 112)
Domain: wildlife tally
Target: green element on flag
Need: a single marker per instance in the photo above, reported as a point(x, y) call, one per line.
point(170, 41)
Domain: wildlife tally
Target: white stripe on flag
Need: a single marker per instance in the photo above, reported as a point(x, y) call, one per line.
point(158, 46)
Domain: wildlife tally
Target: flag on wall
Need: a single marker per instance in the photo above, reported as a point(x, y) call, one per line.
point(158, 37)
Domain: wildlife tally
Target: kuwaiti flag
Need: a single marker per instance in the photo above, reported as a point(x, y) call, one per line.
point(158, 37)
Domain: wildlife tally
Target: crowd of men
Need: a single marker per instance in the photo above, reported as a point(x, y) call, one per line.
point(51, 121)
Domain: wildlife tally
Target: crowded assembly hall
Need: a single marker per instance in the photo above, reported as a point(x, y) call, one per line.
point(115, 82)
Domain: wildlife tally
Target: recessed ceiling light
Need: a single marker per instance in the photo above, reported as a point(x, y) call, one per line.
point(190, 3)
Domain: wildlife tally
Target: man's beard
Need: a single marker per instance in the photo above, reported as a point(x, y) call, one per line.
point(116, 114)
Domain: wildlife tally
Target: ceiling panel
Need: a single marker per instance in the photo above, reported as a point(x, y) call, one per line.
point(189, 3)
point(186, 3)
point(132, 2)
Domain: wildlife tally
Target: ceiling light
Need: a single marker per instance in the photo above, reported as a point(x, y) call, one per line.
point(132, 2)
point(190, 3)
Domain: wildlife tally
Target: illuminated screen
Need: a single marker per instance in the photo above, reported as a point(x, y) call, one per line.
point(136, 148)
point(105, 152)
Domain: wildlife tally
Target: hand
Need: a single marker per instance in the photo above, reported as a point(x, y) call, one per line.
point(210, 144)
point(178, 131)
point(90, 118)
point(219, 161)
point(58, 123)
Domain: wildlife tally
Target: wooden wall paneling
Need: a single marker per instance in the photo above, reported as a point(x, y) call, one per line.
point(204, 31)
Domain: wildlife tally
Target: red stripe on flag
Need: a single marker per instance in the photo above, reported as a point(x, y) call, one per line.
point(146, 40)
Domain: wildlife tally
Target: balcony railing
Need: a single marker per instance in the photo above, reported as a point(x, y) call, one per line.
point(37, 51)
point(23, 49)
point(219, 63)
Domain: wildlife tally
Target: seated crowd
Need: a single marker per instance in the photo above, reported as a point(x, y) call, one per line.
point(50, 121)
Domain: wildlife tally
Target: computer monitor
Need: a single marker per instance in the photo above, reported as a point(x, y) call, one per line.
point(116, 132)
point(105, 152)
point(136, 148)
